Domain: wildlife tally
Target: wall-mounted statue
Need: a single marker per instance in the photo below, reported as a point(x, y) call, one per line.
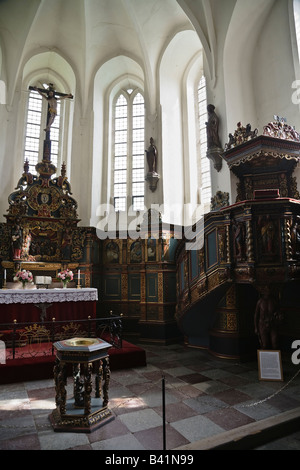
point(152, 175)
point(214, 148)
point(212, 128)
point(151, 157)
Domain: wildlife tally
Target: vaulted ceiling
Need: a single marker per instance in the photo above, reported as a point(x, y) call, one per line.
point(78, 36)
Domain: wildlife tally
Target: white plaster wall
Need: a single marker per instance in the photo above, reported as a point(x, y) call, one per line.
point(273, 70)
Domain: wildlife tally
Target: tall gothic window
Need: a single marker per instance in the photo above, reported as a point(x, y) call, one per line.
point(129, 138)
point(35, 134)
point(204, 167)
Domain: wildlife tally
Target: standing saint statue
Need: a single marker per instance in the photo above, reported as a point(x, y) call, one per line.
point(17, 241)
point(214, 148)
point(212, 128)
point(151, 156)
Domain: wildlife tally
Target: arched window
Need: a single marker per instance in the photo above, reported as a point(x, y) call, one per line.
point(37, 110)
point(204, 167)
point(128, 150)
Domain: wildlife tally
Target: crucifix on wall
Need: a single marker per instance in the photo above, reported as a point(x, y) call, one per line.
point(52, 98)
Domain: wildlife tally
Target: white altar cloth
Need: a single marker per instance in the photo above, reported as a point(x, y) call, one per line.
point(32, 296)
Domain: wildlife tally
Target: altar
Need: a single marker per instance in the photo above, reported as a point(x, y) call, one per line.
point(36, 305)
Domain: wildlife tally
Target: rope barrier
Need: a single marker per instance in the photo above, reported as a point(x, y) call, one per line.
point(154, 384)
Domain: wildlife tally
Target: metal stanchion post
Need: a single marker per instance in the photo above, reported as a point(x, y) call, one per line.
point(164, 412)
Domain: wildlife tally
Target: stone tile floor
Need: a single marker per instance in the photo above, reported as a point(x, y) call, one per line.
point(204, 396)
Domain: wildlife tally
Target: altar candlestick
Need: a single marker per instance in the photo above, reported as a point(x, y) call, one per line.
point(4, 280)
point(78, 280)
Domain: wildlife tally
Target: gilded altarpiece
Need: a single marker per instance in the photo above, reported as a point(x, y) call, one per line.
point(41, 233)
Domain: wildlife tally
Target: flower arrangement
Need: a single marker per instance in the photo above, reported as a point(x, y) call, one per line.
point(23, 276)
point(65, 276)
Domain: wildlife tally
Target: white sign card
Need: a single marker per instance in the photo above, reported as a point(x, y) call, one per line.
point(269, 365)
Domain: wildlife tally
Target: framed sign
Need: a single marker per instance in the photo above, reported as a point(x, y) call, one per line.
point(269, 365)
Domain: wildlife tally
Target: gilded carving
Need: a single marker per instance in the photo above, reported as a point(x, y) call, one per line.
point(250, 254)
point(231, 297)
point(281, 130)
point(160, 287)
point(221, 199)
point(241, 134)
point(293, 188)
point(124, 286)
point(232, 322)
point(222, 245)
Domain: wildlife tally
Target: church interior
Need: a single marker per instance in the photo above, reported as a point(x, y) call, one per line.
point(150, 224)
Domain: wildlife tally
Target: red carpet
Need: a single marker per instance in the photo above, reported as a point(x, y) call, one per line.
point(39, 365)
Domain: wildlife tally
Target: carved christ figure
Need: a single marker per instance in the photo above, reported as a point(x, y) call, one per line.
point(52, 102)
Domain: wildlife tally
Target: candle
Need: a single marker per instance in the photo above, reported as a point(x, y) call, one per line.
point(5, 274)
point(78, 274)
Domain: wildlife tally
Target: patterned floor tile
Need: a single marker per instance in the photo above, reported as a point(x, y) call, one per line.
point(141, 420)
point(196, 428)
point(229, 418)
point(153, 439)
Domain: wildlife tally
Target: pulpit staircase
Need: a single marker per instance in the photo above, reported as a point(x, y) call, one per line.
point(247, 245)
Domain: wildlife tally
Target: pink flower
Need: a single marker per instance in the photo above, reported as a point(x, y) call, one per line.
point(66, 275)
point(23, 276)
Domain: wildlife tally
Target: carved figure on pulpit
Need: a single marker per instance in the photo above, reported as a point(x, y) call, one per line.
point(17, 241)
point(295, 238)
point(267, 319)
point(239, 236)
point(267, 232)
